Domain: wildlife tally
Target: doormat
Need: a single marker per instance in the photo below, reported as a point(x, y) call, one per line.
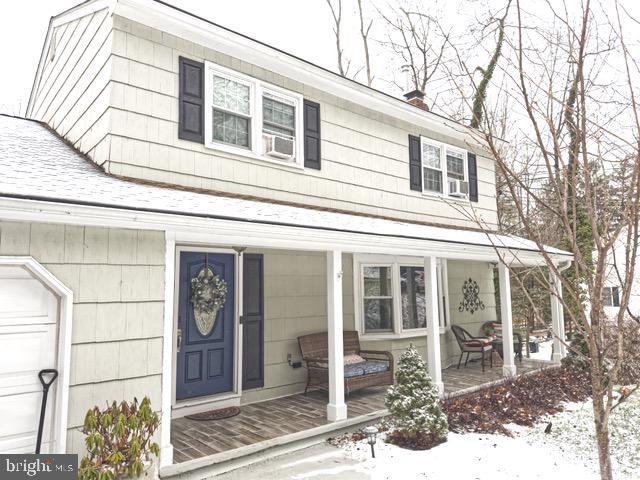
point(217, 414)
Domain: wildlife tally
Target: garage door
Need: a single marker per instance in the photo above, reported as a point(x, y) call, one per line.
point(28, 332)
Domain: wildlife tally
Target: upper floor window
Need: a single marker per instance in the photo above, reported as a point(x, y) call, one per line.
point(246, 116)
point(610, 297)
point(444, 169)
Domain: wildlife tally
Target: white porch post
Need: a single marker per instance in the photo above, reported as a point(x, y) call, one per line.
point(508, 365)
point(166, 448)
point(336, 408)
point(557, 318)
point(433, 322)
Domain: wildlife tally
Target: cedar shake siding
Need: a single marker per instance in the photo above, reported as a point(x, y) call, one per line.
point(127, 120)
point(117, 279)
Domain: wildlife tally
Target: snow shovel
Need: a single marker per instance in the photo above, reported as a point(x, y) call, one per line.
point(45, 391)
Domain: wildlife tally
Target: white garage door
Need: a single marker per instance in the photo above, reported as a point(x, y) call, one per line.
point(28, 332)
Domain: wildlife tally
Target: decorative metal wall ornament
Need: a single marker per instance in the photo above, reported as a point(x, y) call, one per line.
point(470, 300)
point(209, 293)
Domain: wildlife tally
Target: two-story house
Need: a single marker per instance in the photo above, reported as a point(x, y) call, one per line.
point(165, 156)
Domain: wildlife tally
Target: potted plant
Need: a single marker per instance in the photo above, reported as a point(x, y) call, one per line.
point(118, 441)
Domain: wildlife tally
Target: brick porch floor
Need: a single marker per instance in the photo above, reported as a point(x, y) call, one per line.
point(275, 418)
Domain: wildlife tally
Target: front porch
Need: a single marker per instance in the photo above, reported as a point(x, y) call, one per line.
point(272, 422)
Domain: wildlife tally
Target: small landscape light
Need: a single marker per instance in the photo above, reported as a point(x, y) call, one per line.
point(371, 432)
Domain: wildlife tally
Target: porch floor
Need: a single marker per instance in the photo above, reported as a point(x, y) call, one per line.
point(270, 419)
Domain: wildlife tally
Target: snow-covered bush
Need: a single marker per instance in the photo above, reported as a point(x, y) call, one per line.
point(413, 402)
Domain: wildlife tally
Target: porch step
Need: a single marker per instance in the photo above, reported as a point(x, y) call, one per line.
point(216, 464)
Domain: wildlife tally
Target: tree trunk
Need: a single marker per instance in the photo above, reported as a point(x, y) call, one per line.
point(602, 427)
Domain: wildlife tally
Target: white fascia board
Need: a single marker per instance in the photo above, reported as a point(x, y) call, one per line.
point(181, 24)
point(224, 232)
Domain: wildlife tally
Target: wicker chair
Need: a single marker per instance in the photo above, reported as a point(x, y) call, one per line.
point(469, 344)
point(491, 328)
point(314, 348)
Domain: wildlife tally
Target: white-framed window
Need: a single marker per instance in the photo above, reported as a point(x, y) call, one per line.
point(249, 117)
point(390, 295)
point(610, 296)
point(444, 169)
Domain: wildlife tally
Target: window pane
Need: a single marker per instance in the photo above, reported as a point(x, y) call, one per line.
point(607, 298)
point(230, 129)
point(433, 180)
point(431, 156)
point(278, 116)
point(231, 95)
point(378, 314)
point(615, 296)
point(412, 297)
point(377, 281)
point(455, 165)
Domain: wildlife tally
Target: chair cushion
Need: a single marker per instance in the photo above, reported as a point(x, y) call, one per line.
point(353, 358)
point(364, 368)
point(477, 345)
point(353, 370)
point(375, 366)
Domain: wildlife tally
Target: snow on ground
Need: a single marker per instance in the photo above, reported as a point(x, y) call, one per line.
point(568, 452)
point(574, 430)
point(544, 351)
point(464, 457)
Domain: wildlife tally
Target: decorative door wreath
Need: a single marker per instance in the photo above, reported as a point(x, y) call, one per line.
point(209, 293)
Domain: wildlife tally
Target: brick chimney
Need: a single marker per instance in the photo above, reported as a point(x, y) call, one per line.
point(416, 98)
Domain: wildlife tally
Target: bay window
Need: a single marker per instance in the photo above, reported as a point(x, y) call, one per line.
point(390, 295)
point(249, 117)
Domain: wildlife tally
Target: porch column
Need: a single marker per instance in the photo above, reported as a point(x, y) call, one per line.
point(336, 408)
point(166, 448)
point(433, 322)
point(508, 365)
point(557, 318)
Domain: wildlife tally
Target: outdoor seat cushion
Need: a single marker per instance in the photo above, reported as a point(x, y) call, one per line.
point(477, 345)
point(365, 368)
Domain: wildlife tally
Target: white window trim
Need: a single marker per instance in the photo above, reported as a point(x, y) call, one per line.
point(395, 262)
point(443, 168)
point(610, 288)
point(257, 89)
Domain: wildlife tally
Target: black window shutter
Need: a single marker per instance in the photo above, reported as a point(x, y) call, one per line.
point(415, 163)
point(191, 101)
point(473, 177)
point(311, 134)
point(252, 321)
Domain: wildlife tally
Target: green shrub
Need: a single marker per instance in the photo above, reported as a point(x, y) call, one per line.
point(118, 440)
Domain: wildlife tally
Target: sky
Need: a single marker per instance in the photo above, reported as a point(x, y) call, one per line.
point(281, 23)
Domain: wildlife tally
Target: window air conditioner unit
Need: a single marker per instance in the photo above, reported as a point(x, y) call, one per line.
point(279, 147)
point(458, 188)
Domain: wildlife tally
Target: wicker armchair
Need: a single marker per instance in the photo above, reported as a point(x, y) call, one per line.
point(314, 348)
point(469, 344)
point(495, 329)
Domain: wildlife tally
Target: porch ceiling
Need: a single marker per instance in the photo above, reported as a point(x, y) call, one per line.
point(44, 178)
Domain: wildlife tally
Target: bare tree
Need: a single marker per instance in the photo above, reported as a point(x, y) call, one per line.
point(582, 124)
point(418, 39)
point(364, 33)
point(336, 13)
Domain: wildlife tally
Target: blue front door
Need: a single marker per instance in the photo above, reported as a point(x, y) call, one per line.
point(205, 354)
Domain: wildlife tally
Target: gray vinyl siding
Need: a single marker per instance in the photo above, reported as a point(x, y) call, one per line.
point(117, 279)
